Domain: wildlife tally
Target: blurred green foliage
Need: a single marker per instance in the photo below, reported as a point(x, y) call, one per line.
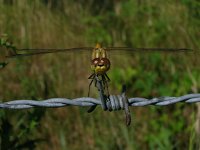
point(65, 24)
point(5, 48)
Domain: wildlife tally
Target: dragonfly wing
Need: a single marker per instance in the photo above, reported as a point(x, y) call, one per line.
point(129, 49)
point(30, 52)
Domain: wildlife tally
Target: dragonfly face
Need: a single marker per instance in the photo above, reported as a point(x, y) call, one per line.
point(100, 64)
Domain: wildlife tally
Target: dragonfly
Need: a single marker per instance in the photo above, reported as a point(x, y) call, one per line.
point(100, 63)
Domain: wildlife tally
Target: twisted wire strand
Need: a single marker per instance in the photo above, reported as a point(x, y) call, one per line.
point(114, 103)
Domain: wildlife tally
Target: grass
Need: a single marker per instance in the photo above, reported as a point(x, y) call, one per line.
point(45, 24)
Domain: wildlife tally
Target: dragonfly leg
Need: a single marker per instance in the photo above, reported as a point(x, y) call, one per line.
point(92, 108)
point(108, 79)
point(107, 90)
point(95, 80)
point(92, 76)
point(105, 84)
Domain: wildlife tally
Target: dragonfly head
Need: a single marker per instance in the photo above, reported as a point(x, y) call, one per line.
point(100, 65)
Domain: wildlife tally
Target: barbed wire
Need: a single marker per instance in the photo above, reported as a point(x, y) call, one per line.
point(114, 102)
point(110, 103)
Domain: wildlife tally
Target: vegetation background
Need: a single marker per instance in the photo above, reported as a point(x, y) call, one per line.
point(133, 23)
